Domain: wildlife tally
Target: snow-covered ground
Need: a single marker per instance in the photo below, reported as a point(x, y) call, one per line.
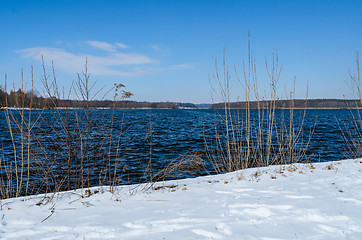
point(319, 201)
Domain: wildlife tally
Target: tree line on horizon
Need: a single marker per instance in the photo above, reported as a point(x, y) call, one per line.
point(19, 98)
point(296, 104)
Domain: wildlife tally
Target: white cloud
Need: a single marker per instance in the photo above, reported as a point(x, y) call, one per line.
point(106, 46)
point(155, 47)
point(181, 67)
point(121, 45)
point(102, 45)
point(97, 65)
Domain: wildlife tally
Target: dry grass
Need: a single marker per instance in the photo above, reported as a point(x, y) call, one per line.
point(14, 166)
point(352, 130)
point(53, 149)
point(190, 163)
point(254, 137)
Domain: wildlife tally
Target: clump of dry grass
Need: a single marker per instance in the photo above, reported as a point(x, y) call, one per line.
point(191, 163)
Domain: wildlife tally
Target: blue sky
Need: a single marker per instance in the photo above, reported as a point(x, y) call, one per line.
point(165, 50)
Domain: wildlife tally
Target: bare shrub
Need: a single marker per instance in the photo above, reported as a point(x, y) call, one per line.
point(254, 137)
point(61, 145)
point(352, 129)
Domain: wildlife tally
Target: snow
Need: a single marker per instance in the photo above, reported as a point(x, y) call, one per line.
point(302, 201)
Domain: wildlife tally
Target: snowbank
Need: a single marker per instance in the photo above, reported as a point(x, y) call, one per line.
point(319, 201)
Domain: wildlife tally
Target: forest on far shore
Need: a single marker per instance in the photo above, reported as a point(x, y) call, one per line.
point(297, 103)
point(17, 99)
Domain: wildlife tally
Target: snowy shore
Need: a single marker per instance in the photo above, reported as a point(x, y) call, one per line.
point(302, 201)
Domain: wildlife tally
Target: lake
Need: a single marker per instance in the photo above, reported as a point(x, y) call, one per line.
point(143, 141)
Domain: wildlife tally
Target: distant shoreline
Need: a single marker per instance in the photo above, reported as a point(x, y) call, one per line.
point(72, 108)
point(266, 104)
point(293, 104)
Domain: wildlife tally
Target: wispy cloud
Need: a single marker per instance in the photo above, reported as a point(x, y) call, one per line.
point(113, 63)
point(121, 45)
point(106, 46)
point(154, 47)
point(181, 67)
point(102, 45)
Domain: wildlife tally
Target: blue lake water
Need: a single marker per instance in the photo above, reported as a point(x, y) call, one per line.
point(149, 138)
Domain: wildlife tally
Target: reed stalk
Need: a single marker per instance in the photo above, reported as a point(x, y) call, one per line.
point(51, 148)
point(351, 130)
point(247, 137)
point(15, 168)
